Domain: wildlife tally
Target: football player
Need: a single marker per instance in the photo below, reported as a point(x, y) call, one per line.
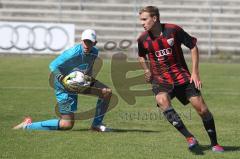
point(161, 57)
point(81, 57)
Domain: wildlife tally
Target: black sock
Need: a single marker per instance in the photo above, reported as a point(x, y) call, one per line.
point(173, 117)
point(209, 125)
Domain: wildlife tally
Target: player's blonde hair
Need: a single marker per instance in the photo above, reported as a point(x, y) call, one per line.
point(152, 10)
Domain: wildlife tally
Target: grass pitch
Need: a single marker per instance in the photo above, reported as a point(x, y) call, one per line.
point(140, 130)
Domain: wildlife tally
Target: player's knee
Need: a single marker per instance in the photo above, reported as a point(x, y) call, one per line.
point(66, 124)
point(163, 100)
point(107, 92)
point(199, 104)
point(203, 111)
point(66, 127)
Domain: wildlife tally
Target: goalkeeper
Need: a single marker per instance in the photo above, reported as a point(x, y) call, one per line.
point(81, 57)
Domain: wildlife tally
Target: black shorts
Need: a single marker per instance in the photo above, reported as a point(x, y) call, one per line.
point(181, 92)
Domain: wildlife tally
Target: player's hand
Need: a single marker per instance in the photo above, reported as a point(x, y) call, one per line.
point(59, 77)
point(147, 75)
point(196, 79)
point(69, 86)
point(75, 86)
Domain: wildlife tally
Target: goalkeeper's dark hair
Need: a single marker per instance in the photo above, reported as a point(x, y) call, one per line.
point(152, 10)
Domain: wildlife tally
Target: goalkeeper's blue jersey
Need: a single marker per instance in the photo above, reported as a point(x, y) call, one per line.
point(74, 59)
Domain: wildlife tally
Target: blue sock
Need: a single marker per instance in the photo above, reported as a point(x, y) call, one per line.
point(101, 109)
point(52, 124)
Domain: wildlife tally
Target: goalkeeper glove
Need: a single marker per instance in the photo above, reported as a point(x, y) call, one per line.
point(59, 77)
point(63, 80)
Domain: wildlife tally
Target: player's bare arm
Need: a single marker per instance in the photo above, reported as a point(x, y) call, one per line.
point(144, 65)
point(195, 77)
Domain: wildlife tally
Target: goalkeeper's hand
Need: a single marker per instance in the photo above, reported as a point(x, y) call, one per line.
point(63, 80)
point(74, 87)
point(59, 77)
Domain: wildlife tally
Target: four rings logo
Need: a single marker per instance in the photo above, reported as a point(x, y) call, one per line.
point(38, 37)
point(163, 52)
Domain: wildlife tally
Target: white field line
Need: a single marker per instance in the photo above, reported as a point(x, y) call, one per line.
point(213, 91)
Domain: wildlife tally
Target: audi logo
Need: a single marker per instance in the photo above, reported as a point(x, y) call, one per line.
point(37, 37)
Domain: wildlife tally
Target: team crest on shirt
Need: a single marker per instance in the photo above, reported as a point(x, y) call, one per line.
point(170, 41)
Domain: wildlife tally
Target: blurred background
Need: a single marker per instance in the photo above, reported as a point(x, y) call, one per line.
point(216, 24)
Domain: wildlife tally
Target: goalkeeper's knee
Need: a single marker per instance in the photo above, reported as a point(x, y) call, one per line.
point(66, 124)
point(107, 92)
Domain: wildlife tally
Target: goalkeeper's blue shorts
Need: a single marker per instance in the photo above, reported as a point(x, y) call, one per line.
point(67, 102)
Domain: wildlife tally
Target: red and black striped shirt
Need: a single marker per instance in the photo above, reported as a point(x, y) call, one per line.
point(167, 63)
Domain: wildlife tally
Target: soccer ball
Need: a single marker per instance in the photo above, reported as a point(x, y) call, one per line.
point(76, 77)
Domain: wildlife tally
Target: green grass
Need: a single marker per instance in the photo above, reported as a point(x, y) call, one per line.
point(24, 91)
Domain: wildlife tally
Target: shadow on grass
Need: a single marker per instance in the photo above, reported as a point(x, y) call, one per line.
point(122, 130)
point(231, 148)
point(134, 130)
point(199, 150)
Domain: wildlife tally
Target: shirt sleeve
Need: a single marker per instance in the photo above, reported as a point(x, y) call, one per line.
point(186, 39)
point(64, 60)
point(142, 52)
